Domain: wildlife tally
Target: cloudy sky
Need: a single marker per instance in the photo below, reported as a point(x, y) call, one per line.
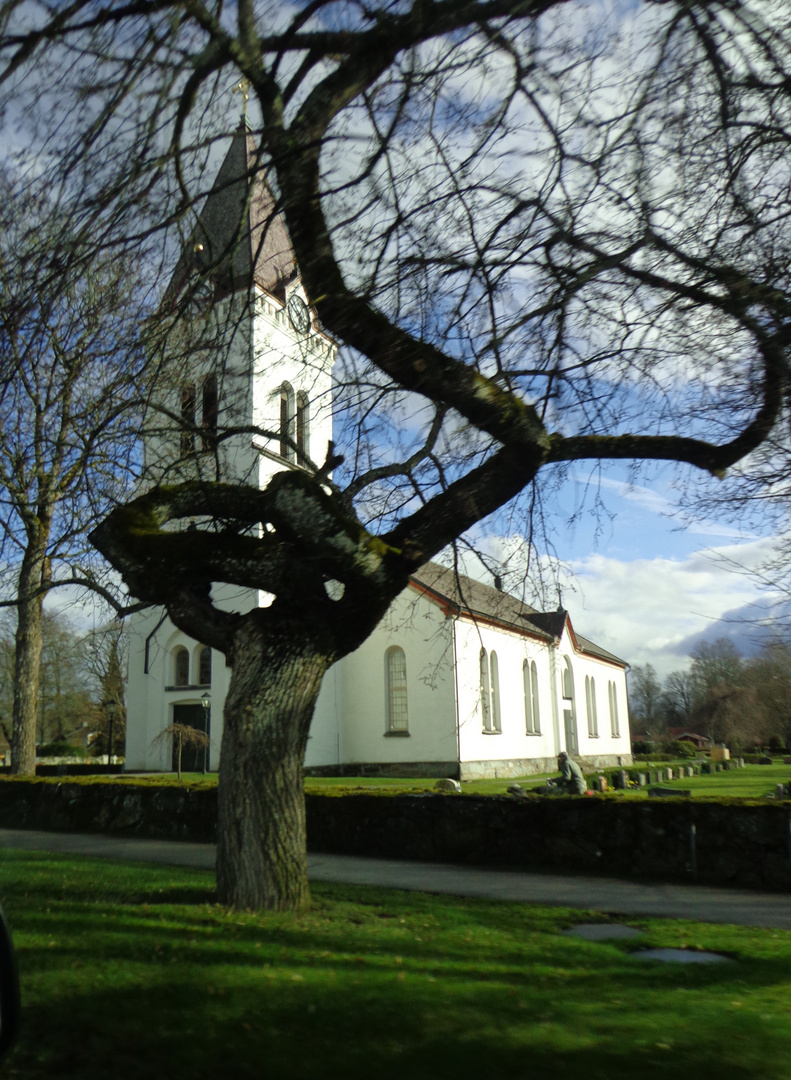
point(649, 589)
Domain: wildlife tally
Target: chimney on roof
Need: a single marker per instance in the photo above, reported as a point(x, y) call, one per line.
point(498, 583)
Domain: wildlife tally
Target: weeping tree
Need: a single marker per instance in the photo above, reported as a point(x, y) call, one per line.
point(540, 235)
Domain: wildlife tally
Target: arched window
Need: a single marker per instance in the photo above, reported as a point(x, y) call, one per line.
point(534, 691)
point(568, 680)
point(490, 692)
point(494, 680)
point(612, 697)
point(395, 667)
point(486, 707)
point(210, 412)
point(303, 428)
point(187, 437)
point(590, 704)
point(569, 706)
point(204, 666)
point(286, 422)
point(530, 687)
point(181, 664)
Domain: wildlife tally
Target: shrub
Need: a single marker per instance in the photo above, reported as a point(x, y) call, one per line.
point(776, 745)
point(643, 746)
point(61, 749)
point(681, 748)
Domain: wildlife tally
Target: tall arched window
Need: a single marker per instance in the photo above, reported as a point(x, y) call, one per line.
point(590, 704)
point(486, 706)
point(530, 687)
point(568, 680)
point(181, 665)
point(494, 680)
point(204, 666)
point(490, 692)
point(303, 427)
point(286, 422)
point(187, 437)
point(612, 697)
point(210, 413)
point(395, 667)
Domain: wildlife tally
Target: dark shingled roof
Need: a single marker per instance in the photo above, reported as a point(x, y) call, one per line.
point(243, 238)
point(483, 601)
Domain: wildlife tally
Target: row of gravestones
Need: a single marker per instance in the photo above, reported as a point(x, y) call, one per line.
point(623, 779)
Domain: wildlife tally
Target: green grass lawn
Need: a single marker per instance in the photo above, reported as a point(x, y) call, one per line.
point(133, 971)
point(753, 782)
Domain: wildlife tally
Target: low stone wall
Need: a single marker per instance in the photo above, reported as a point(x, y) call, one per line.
point(158, 811)
point(672, 839)
point(734, 843)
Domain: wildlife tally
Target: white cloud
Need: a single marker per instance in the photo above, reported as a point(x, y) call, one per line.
point(645, 609)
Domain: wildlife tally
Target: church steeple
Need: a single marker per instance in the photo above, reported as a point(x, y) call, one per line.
point(239, 237)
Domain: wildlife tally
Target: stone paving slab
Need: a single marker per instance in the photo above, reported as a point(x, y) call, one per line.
point(602, 932)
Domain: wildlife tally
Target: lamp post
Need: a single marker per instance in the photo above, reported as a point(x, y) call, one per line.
point(206, 703)
point(111, 707)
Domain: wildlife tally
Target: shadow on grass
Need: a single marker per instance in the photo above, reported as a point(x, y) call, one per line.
point(185, 1028)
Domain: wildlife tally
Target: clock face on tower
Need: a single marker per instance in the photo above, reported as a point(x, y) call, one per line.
point(298, 314)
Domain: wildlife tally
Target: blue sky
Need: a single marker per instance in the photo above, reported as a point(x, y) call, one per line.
point(649, 588)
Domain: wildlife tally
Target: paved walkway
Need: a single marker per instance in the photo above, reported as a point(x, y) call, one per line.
point(703, 903)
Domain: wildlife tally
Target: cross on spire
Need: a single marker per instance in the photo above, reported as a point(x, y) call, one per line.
point(243, 88)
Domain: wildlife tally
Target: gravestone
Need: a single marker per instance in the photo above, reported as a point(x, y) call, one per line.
point(448, 785)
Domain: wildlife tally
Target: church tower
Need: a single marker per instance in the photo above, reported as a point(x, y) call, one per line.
point(244, 391)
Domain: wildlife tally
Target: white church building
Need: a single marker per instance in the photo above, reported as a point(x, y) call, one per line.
point(459, 679)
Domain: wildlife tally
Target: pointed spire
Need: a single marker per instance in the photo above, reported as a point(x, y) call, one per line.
point(239, 237)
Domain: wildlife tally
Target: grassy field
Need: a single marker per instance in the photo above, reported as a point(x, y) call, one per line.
point(130, 972)
point(753, 782)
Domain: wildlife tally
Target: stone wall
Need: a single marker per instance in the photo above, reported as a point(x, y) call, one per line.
point(736, 843)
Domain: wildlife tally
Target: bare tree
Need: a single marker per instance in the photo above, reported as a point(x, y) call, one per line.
point(538, 238)
point(69, 411)
point(645, 699)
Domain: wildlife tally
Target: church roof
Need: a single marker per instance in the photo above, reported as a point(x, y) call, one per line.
point(484, 602)
point(239, 236)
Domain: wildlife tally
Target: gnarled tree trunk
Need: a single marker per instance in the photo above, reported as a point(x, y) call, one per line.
point(261, 842)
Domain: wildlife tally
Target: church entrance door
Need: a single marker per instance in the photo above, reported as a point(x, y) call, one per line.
point(193, 758)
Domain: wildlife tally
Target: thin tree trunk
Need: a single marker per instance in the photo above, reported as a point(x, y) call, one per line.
point(261, 849)
point(27, 665)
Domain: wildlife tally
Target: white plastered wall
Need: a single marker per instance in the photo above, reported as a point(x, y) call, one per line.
point(420, 628)
point(151, 694)
point(260, 354)
point(512, 751)
point(305, 364)
point(604, 745)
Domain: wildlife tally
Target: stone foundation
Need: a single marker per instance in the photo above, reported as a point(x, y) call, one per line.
point(515, 767)
point(407, 769)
